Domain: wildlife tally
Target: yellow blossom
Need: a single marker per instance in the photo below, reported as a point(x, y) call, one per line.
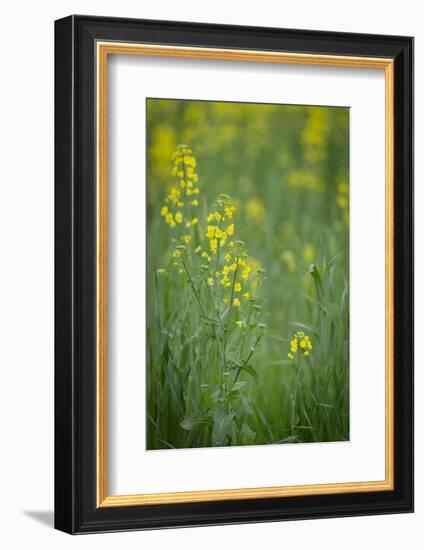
point(210, 281)
point(236, 302)
point(300, 341)
point(229, 210)
point(246, 295)
point(195, 202)
point(178, 217)
point(170, 219)
point(210, 231)
point(164, 211)
point(225, 281)
point(230, 229)
point(239, 324)
point(237, 287)
point(246, 272)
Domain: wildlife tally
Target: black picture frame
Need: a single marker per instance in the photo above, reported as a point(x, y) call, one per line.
point(76, 508)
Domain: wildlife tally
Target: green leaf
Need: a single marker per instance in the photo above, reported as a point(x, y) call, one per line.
point(188, 423)
point(289, 439)
point(325, 405)
point(221, 424)
point(250, 370)
point(314, 271)
point(247, 435)
point(238, 385)
point(305, 327)
point(191, 422)
point(207, 320)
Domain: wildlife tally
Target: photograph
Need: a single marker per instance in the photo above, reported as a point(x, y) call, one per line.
point(247, 273)
point(233, 253)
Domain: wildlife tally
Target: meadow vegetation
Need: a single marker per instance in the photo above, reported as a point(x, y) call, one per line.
point(247, 274)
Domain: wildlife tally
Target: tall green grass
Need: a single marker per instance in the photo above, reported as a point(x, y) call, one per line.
point(215, 375)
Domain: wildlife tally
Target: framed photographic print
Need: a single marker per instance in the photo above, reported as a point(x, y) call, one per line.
point(234, 268)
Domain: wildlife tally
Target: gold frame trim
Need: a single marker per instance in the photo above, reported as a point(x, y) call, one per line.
point(104, 49)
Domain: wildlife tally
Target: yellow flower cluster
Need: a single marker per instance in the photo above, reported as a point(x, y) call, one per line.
point(300, 342)
point(235, 269)
point(186, 186)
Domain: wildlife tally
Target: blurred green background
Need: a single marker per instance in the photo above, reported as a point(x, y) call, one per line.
point(287, 170)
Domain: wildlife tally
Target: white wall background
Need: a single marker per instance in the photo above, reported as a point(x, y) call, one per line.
point(26, 272)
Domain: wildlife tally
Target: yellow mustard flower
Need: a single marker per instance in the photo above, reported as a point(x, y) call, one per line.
point(210, 231)
point(229, 210)
point(236, 302)
point(246, 272)
point(237, 287)
point(170, 219)
point(300, 342)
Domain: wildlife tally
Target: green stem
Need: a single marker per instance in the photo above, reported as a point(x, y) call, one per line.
point(252, 351)
point(194, 289)
point(232, 293)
